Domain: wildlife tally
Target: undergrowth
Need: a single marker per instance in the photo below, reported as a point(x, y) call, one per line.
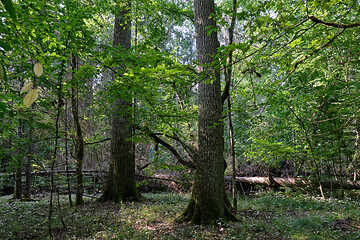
point(261, 216)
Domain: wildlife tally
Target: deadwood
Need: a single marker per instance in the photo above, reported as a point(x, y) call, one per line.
point(297, 182)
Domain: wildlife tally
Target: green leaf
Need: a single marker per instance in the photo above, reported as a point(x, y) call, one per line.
point(38, 69)
point(2, 109)
point(31, 97)
point(5, 46)
point(26, 87)
point(9, 8)
point(52, 45)
point(2, 72)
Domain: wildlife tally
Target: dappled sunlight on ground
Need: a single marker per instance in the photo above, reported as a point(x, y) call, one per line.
point(263, 216)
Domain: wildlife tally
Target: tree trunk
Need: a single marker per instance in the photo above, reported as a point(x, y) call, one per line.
point(355, 161)
point(18, 167)
point(67, 154)
point(27, 190)
point(314, 160)
point(79, 140)
point(228, 75)
point(208, 202)
point(18, 181)
point(232, 155)
point(121, 185)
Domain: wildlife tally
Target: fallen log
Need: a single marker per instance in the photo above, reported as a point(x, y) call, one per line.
point(264, 181)
point(296, 182)
point(89, 172)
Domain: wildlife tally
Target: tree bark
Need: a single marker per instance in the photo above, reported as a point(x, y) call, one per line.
point(18, 167)
point(208, 202)
point(121, 185)
point(355, 161)
point(79, 140)
point(232, 154)
point(27, 190)
point(67, 154)
point(18, 181)
point(228, 75)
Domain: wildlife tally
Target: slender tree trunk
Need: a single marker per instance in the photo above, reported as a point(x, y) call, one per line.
point(228, 75)
point(18, 181)
point(79, 150)
point(312, 154)
point(232, 154)
point(355, 161)
point(27, 189)
point(56, 146)
point(67, 154)
point(208, 202)
point(18, 167)
point(121, 185)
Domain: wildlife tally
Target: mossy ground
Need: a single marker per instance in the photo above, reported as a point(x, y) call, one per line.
point(261, 216)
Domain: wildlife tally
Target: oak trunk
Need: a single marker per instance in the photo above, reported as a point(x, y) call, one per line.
point(208, 202)
point(121, 185)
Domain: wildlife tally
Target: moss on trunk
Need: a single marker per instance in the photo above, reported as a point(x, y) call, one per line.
point(210, 214)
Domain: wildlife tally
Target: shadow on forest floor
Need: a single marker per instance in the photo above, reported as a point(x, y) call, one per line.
point(262, 216)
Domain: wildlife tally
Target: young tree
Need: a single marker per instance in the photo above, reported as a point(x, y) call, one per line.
point(121, 184)
point(79, 147)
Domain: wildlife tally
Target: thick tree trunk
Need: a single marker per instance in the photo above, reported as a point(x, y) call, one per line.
point(208, 202)
point(121, 185)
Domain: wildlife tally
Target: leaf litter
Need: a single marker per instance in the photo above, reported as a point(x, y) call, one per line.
point(260, 217)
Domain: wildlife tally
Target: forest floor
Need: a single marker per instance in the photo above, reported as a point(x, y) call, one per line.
point(261, 216)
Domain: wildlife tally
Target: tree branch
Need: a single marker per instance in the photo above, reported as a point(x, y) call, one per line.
point(333, 24)
point(159, 140)
point(100, 141)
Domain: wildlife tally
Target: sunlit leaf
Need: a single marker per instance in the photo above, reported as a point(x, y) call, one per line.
point(26, 87)
point(38, 69)
point(31, 97)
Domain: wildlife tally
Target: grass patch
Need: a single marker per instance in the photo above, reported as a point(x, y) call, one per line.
point(262, 216)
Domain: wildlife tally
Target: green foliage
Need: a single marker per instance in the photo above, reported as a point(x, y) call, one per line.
point(297, 91)
point(8, 5)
